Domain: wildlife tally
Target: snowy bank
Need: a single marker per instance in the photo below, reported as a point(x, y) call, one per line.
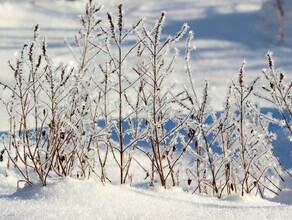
point(73, 199)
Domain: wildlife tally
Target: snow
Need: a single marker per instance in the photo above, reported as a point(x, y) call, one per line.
point(74, 199)
point(226, 33)
point(286, 193)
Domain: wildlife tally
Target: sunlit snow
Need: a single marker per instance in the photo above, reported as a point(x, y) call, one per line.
point(226, 33)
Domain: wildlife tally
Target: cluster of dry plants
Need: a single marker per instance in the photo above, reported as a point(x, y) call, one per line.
point(118, 102)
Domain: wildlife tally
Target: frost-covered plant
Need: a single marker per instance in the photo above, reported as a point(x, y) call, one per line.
point(159, 100)
point(120, 79)
point(86, 97)
point(278, 92)
point(253, 159)
point(72, 121)
point(202, 128)
point(38, 137)
point(233, 149)
point(104, 74)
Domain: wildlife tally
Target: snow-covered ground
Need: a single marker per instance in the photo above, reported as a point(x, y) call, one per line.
point(226, 33)
point(73, 199)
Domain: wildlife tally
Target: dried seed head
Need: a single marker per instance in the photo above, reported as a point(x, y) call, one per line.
point(36, 32)
point(159, 27)
point(39, 61)
point(232, 187)
point(191, 133)
point(62, 135)
point(189, 181)
point(173, 148)
point(44, 48)
point(270, 60)
point(112, 26)
point(62, 158)
point(241, 72)
point(281, 77)
point(120, 22)
point(43, 133)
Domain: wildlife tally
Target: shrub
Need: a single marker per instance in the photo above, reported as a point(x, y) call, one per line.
point(67, 121)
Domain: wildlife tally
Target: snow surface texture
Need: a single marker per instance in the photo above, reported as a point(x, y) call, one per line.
point(227, 31)
point(73, 199)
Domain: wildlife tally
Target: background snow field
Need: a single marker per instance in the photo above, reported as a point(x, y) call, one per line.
point(226, 33)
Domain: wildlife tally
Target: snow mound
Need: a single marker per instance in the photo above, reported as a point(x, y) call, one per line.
point(286, 192)
point(73, 199)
